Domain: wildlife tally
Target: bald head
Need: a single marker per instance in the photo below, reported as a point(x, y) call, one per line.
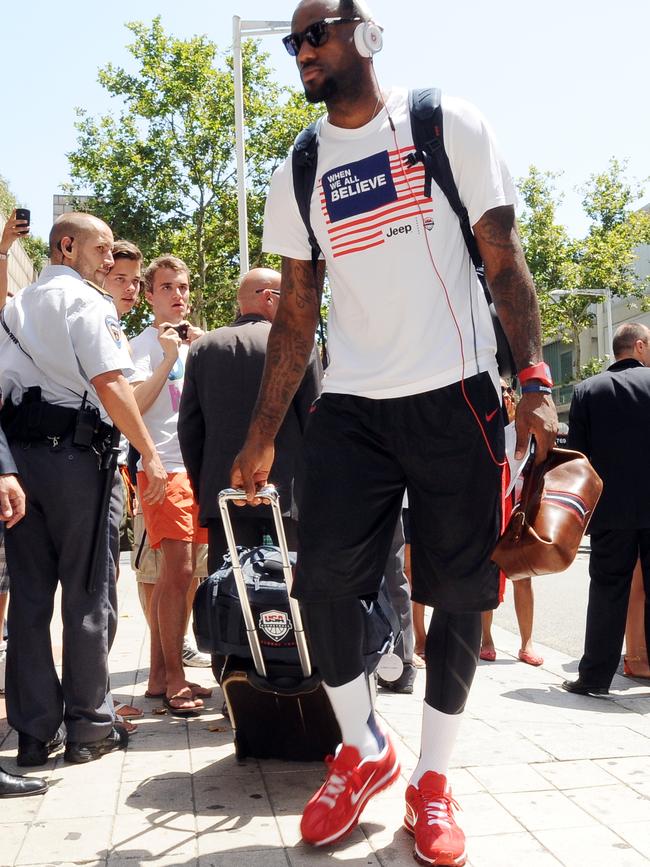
point(84, 243)
point(74, 225)
point(259, 292)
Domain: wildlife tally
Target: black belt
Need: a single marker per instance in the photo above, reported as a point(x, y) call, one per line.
point(34, 421)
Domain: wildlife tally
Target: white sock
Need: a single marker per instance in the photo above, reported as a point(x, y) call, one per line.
point(439, 733)
point(353, 711)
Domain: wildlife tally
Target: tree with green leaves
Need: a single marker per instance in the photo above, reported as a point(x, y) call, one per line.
point(161, 170)
point(603, 260)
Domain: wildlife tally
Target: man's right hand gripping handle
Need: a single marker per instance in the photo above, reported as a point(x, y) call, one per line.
point(251, 468)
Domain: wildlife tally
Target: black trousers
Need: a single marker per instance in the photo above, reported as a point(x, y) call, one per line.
point(613, 556)
point(53, 544)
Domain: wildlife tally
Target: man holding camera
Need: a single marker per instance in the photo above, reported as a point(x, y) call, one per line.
point(63, 362)
point(160, 356)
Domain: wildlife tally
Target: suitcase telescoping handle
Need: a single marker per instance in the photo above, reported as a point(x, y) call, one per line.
point(269, 492)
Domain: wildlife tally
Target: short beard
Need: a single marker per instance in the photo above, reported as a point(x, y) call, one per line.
point(328, 90)
point(345, 87)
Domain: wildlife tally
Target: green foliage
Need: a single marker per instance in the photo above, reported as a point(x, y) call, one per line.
point(161, 169)
point(603, 259)
point(592, 367)
point(36, 248)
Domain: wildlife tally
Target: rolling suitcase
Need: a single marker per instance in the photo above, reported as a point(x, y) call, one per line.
point(277, 705)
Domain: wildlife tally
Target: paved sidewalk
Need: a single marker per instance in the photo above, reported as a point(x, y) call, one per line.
point(543, 777)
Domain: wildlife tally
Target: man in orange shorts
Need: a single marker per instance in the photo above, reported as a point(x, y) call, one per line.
point(159, 355)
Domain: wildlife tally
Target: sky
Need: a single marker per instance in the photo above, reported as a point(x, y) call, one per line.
point(564, 83)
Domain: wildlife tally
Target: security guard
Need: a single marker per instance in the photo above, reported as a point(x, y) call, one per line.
point(63, 361)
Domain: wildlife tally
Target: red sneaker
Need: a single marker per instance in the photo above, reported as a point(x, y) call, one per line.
point(351, 781)
point(430, 818)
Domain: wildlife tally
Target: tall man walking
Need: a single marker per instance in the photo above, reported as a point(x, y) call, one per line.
point(411, 400)
point(608, 422)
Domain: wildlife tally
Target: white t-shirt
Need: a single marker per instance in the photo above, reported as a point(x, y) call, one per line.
point(70, 334)
point(161, 418)
point(397, 303)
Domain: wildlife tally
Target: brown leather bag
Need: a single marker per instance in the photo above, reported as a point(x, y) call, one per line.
point(545, 529)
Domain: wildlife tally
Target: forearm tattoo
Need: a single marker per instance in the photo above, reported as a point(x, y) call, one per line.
point(511, 284)
point(290, 345)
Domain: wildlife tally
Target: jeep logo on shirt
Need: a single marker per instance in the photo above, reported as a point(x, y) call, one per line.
point(359, 187)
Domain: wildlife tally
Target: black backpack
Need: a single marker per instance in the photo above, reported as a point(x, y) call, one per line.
point(426, 127)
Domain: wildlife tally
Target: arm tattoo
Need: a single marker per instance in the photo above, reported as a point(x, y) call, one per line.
point(510, 283)
point(290, 345)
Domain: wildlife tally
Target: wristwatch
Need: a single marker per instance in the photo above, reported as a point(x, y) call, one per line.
point(540, 371)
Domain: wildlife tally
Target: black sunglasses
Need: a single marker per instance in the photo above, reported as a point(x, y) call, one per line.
point(316, 34)
point(274, 291)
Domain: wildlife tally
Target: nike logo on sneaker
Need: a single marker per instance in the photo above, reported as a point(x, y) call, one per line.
point(490, 415)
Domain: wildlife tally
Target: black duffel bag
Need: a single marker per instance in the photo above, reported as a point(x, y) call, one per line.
point(219, 625)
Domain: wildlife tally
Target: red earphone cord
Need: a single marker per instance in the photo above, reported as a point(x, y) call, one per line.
point(444, 287)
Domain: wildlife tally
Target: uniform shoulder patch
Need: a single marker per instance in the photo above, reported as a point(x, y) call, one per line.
point(114, 329)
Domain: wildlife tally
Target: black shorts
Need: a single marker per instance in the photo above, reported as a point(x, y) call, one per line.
point(360, 456)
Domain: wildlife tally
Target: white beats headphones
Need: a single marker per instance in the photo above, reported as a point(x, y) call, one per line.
point(368, 38)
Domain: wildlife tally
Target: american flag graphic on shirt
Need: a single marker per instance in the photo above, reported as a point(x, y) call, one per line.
point(359, 200)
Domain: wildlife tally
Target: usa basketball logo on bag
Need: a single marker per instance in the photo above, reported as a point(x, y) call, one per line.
point(275, 624)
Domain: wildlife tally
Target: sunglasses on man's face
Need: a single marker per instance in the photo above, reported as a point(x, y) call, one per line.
point(274, 291)
point(316, 34)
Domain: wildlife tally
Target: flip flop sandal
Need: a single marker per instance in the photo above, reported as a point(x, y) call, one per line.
point(530, 658)
point(127, 711)
point(181, 711)
point(153, 694)
point(488, 655)
point(129, 726)
point(200, 691)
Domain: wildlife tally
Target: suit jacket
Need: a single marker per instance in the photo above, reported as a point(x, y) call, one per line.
point(609, 421)
point(222, 378)
point(7, 464)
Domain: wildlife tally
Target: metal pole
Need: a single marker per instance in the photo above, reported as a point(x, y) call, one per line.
point(610, 332)
point(239, 145)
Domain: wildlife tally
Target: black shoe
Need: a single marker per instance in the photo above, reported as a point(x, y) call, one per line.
point(12, 786)
point(80, 753)
point(404, 683)
point(579, 687)
point(32, 752)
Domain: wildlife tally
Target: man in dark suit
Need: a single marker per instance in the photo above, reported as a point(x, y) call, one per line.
point(609, 421)
point(222, 379)
point(12, 509)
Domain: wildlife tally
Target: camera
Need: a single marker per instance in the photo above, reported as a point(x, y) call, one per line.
point(181, 330)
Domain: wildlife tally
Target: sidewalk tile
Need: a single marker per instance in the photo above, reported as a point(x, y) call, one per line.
point(632, 771)
point(217, 794)
point(537, 810)
point(156, 795)
point(597, 847)
point(609, 804)
point(12, 833)
point(257, 858)
point(510, 778)
point(637, 834)
point(509, 850)
point(566, 742)
point(169, 835)
point(67, 800)
point(66, 840)
point(482, 815)
point(353, 851)
point(575, 774)
point(234, 832)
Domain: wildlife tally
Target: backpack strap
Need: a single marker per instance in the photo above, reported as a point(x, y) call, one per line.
point(426, 126)
point(425, 109)
point(304, 163)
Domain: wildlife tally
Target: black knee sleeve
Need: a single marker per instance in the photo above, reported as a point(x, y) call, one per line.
point(451, 653)
point(335, 634)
